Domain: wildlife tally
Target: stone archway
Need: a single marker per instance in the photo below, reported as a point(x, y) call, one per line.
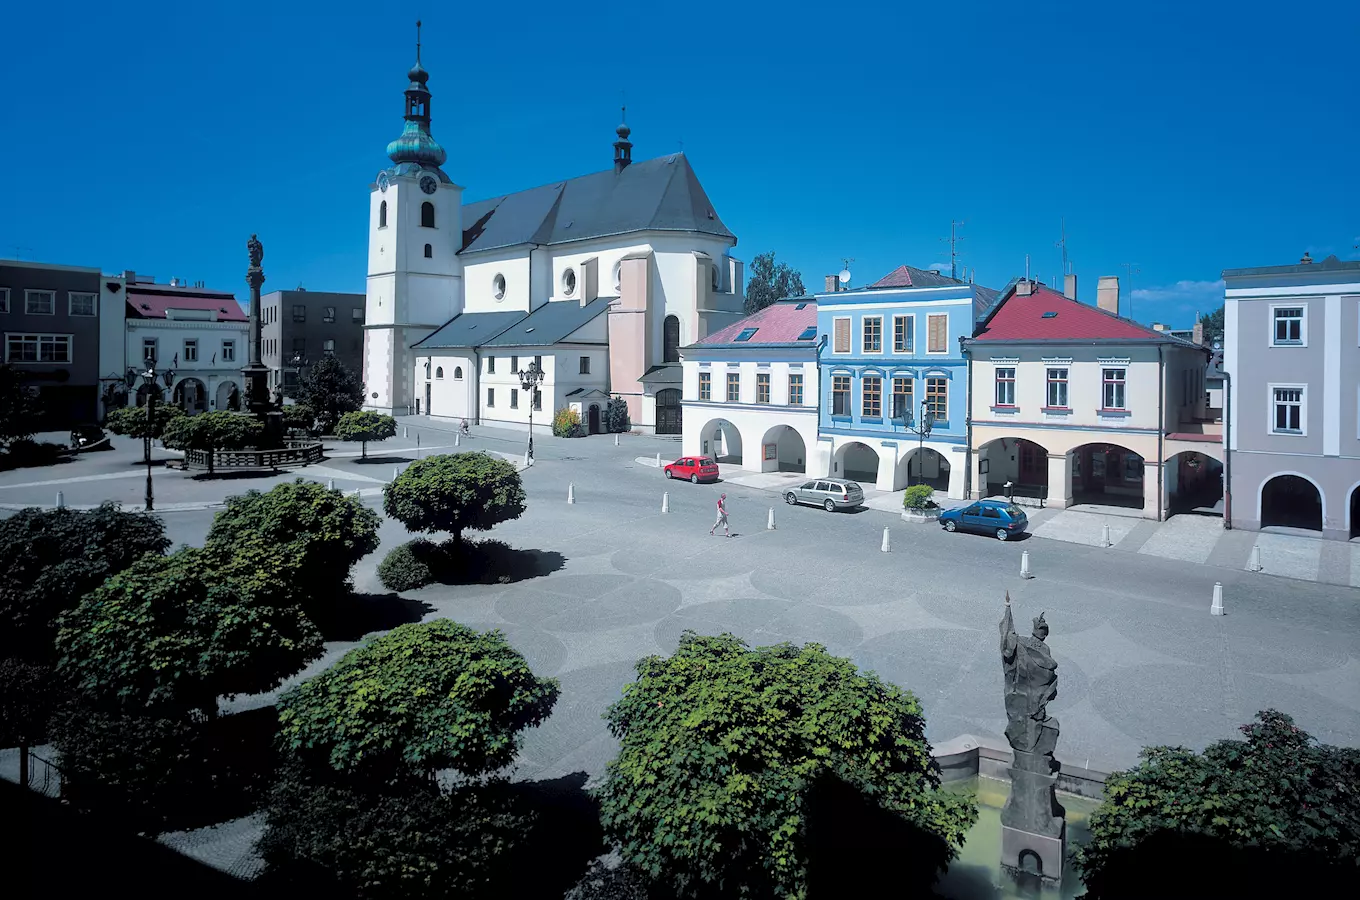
point(1107, 475)
point(856, 461)
point(782, 450)
point(721, 440)
point(224, 399)
point(1194, 483)
point(1355, 512)
point(1018, 461)
point(925, 465)
point(1292, 501)
point(191, 395)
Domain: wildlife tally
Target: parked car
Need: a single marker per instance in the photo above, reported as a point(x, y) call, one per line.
point(999, 518)
point(830, 494)
point(86, 435)
point(695, 468)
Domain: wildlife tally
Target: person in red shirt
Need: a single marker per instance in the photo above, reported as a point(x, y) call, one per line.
point(722, 517)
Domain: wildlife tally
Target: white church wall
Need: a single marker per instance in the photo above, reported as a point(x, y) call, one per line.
point(479, 278)
point(452, 385)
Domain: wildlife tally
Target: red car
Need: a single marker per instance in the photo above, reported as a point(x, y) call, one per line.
point(695, 468)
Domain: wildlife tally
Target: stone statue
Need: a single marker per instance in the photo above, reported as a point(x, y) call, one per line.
point(234, 399)
point(278, 396)
point(256, 250)
point(1033, 823)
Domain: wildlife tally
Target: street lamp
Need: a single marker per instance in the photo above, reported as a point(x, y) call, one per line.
point(529, 380)
point(298, 362)
point(923, 432)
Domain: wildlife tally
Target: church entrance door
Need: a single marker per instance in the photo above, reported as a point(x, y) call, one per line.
point(594, 418)
point(668, 411)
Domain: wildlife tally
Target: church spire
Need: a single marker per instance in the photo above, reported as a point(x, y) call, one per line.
point(416, 146)
point(623, 148)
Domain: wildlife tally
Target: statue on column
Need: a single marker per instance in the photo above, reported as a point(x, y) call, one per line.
point(256, 251)
point(1031, 682)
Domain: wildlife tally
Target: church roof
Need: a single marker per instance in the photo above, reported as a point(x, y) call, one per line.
point(550, 323)
point(661, 194)
point(469, 330)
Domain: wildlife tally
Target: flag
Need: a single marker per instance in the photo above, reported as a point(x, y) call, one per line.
point(214, 362)
point(176, 361)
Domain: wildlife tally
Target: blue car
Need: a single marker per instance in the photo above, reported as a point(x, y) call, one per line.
point(995, 517)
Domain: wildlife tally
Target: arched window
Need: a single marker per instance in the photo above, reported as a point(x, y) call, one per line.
point(457, 373)
point(427, 214)
point(382, 214)
point(671, 340)
point(429, 252)
point(439, 373)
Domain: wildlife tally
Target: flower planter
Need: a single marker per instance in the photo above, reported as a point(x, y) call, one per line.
point(921, 515)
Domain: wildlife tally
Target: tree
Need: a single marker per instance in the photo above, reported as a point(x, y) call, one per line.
point(616, 415)
point(723, 747)
point(298, 417)
point(322, 531)
point(1213, 326)
point(566, 423)
point(1257, 814)
point(211, 432)
point(27, 697)
point(19, 409)
point(132, 421)
point(454, 493)
point(330, 390)
point(768, 282)
point(365, 425)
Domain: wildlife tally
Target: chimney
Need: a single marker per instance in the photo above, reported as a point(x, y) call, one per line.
point(1197, 334)
point(833, 283)
point(129, 276)
point(1107, 294)
point(1024, 288)
point(1307, 259)
point(1070, 286)
point(1158, 326)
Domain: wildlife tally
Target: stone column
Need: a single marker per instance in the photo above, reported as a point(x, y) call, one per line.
point(1059, 480)
point(255, 374)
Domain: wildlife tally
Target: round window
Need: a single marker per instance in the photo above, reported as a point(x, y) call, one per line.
point(717, 279)
point(569, 282)
point(498, 286)
point(618, 275)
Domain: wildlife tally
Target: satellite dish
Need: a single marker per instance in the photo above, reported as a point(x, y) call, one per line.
point(844, 276)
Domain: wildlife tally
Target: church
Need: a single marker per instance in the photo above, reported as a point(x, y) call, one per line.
point(599, 278)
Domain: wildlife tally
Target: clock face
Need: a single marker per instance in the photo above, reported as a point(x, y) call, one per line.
point(428, 184)
point(382, 181)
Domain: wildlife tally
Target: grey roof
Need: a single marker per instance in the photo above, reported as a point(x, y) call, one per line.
point(550, 323)
point(470, 330)
point(1330, 264)
point(661, 194)
point(984, 298)
point(666, 373)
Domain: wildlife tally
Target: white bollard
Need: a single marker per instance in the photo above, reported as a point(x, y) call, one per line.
point(616, 440)
point(1216, 608)
point(658, 460)
point(61, 500)
point(666, 501)
point(457, 440)
point(396, 473)
point(1255, 564)
point(1105, 536)
point(571, 492)
point(769, 525)
point(405, 431)
point(1024, 565)
point(330, 484)
point(526, 459)
point(886, 542)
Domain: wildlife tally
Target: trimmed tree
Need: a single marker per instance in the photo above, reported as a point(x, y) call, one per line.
point(724, 749)
point(455, 493)
point(20, 412)
point(212, 432)
point(299, 417)
point(566, 423)
point(1258, 817)
point(321, 531)
point(132, 421)
point(365, 425)
point(330, 390)
point(616, 415)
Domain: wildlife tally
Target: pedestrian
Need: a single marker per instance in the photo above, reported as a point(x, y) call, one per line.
point(722, 517)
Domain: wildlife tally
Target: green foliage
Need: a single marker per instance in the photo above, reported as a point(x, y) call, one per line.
point(321, 531)
point(454, 493)
point(171, 634)
point(566, 423)
point(132, 421)
point(423, 697)
point(20, 413)
point(25, 453)
point(1213, 326)
point(330, 390)
point(1277, 792)
point(409, 566)
point(52, 558)
point(721, 745)
point(919, 496)
point(219, 430)
point(299, 417)
point(365, 425)
point(27, 696)
point(616, 416)
point(767, 282)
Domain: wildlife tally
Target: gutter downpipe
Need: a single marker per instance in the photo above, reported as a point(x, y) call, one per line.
point(1227, 451)
point(821, 345)
point(968, 422)
point(1161, 427)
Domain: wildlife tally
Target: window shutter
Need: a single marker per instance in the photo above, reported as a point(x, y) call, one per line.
point(842, 336)
point(938, 333)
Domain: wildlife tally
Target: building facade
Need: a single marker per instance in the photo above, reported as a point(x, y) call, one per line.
point(750, 392)
point(197, 336)
point(1292, 359)
point(299, 328)
point(1073, 404)
point(891, 352)
point(643, 236)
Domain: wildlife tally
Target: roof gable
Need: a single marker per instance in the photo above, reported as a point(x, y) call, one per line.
point(910, 276)
point(1046, 314)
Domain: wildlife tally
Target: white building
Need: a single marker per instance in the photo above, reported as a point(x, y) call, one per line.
point(636, 256)
point(197, 334)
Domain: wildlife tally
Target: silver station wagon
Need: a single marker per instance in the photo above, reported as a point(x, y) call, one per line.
point(830, 494)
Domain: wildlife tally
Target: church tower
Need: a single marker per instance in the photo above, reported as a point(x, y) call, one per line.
point(415, 276)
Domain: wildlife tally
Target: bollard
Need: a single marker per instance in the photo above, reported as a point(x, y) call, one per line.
point(571, 492)
point(1024, 565)
point(396, 473)
point(1105, 536)
point(526, 459)
point(457, 440)
point(1255, 564)
point(1216, 608)
point(330, 484)
point(769, 525)
point(405, 431)
point(666, 501)
point(885, 546)
point(658, 460)
point(616, 440)
point(61, 500)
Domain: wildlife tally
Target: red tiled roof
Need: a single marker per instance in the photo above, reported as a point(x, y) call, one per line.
point(151, 302)
point(779, 323)
point(1021, 318)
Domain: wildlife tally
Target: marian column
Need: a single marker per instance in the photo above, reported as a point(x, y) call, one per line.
point(255, 374)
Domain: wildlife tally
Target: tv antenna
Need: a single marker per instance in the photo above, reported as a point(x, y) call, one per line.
point(953, 240)
point(1062, 245)
point(1130, 269)
point(844, 276)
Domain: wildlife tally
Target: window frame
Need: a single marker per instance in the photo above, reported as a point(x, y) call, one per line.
point(836, 335)
point(93, 297)
point(1302, 404)
point(1302, 307)
point(1120, 384)
point(584, 366)
point(154, 345)
point(299, 314)
point(4, 300)
point(229, 350)
point(189, 347)
point(908, 344)
point(762, 387)
point(491, 398)
point(846, 393)
point(910, 392)
point(932, 398)
point(871, 391)
point(328, 350)
point(427, 221)
point(1050, 381)
point(537, 400)
point(864, 334)
point(328, 315)
point(1006, 381)
point(706, 386)
point(795, 389)
point(733, 387)
point(357, 315)
point(930, 319)
point(29, 294)
point(490, 365)
point(514, 398)
point(38, 337)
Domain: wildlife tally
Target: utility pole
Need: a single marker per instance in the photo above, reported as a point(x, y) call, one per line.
point(953, 240)
point(1130, 269)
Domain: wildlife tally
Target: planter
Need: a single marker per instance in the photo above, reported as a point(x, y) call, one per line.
point(921, 515)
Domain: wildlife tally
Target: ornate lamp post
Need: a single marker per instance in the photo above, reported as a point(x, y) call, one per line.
point(922, 432)
point(298, 362)
point(529, 380)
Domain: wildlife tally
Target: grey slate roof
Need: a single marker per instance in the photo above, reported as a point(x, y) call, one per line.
point(665, 373)
point(549, 324)
point(1330, 264)
point(661, 194)
point(470, 330)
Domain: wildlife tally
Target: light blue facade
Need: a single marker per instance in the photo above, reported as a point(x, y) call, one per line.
point(891, 338)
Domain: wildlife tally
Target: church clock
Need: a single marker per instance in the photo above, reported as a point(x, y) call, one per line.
point(428, 184)
point(382, 181)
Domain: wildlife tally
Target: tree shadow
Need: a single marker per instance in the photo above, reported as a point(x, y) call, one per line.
point(490, 561)
point(562, 841)
point(234, 474)
point(354, 615)
point(377, 460)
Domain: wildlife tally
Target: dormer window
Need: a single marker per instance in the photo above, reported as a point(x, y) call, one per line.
point(746, 334)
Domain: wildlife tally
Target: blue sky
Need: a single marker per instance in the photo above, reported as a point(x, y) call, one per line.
point(1184, 138)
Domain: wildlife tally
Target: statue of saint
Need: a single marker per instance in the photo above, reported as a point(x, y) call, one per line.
point(1031, 682)
point(256, 250)
point(234, 399)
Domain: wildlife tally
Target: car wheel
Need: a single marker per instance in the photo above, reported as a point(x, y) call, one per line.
point(694, 479)
point(950, 526)
point(791, 498)
point(829, 506)
point(1002, 534)
point(668, 474)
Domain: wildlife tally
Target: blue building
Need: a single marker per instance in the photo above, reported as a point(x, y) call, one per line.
point(890, 352)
